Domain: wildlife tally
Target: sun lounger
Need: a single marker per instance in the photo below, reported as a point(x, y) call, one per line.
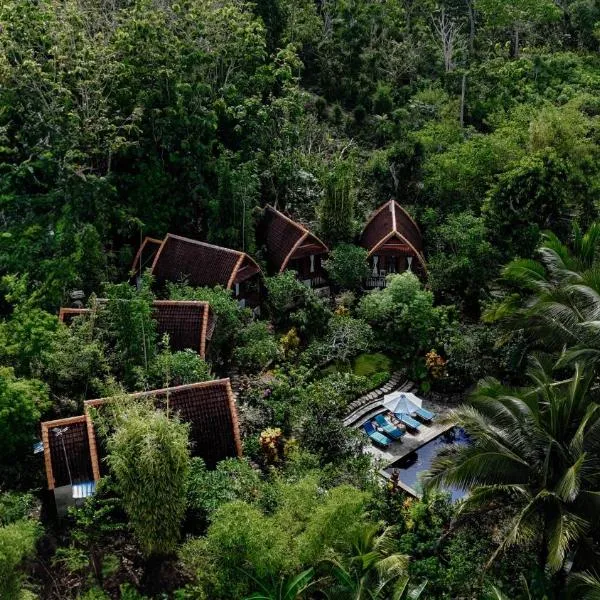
point(424, 414)
point(390, 430)
point(408, 421)
point(377, 438)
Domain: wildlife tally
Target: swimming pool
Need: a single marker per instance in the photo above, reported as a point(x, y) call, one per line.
point(411, 466)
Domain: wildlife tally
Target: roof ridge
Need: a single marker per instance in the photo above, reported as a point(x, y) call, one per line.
point(406, 213)
point(288, 219)
point(201, 243)
point(375, 213)
point(177, 388)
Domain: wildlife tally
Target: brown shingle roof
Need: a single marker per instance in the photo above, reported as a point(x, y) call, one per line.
point(71, 462)
point(210, 409)
point(390, 221)
point(189, 324)
point(286, 239)
point(200, 263)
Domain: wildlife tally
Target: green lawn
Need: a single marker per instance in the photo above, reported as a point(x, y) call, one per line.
point(368, 364)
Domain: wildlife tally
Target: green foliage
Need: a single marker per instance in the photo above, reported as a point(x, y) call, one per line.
point(257, 348)
point(17, 542)
point(15, 506)
point(29, 330)
point(366, 365)
point(75, 364)
point(293, 304)
point(233, 479)
point(174, 368)
point(245, 544)
point(345, 337)
point(230, 317)
point(533, 459)
point(464, 259)
point(403, 316)
point(477, 351)
point(347, 266)
point(22, 402)
point(374, 569)
point(129, 326)
point(149, 457)
point(320, 414)
point(337, 207)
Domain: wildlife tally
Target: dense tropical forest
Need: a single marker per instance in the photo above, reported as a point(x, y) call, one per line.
point(122, 119)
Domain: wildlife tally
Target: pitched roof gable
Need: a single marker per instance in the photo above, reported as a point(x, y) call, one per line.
point(189, 323)
point(287, 239)
point(391, 221)
point(202, 264)
point(145, 255)
point(67, 451)
point(208, 406)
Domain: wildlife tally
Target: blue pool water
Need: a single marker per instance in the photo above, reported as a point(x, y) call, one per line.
point(414, 464)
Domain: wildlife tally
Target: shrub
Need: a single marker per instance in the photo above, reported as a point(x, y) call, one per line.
point(403, 317)
point(233, 479)
point(17, 541)
point(347, 266)
point(22, 402)
point(149, 456)
point(174, 368)
point(257, 347)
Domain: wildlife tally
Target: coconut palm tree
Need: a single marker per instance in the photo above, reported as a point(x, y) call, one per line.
point(286, 588)
point(584, 586)
point(535, 450)
point(373, 570)
point(555, 300)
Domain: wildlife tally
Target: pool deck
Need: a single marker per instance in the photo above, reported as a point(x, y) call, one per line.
point(409, 443)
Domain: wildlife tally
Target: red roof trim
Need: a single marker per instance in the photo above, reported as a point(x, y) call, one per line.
point(162, 392)
point(147, 239)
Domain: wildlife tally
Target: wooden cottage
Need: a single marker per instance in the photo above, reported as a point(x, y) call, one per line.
point(201, 264)
point(394, 243)
point(289, 245)
point(189, 324)
point(208, 406)
point(73, 454)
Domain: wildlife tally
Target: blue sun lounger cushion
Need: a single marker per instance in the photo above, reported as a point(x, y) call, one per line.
point(425, 414)
point(377, 438)
point(407, 420)
point(390, 430)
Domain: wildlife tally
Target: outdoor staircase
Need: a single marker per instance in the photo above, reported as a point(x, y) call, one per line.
point(369, 405)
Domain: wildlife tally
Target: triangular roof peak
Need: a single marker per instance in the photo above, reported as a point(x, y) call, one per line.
point(391, 221)
point(287, 239)
point(205, 264)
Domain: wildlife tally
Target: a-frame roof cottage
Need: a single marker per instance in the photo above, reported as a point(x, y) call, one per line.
point(201, 264)
point(208, 406)
point(72, 452)
point(189, 324)
point(287, 240)
point(393, 240)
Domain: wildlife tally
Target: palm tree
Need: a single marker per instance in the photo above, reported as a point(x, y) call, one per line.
point(555, 300)
point(374, 570)
point(584, 586)
point(290, 588)
point(535, 450)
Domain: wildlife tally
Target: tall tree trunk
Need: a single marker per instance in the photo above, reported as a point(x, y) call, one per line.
point(471, 13)
point(462, 99)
